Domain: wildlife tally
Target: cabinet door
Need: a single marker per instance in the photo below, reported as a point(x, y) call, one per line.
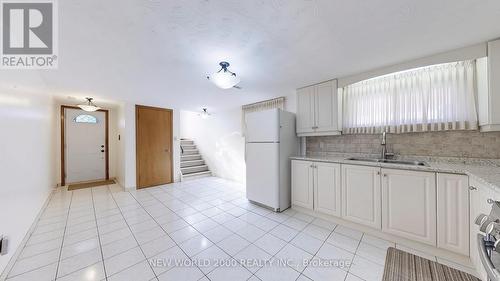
point(305, 110)
point(361, 195)
point(453, 213)
point(326, 106)
point(327, 188)
point(494, 86)
point(409, 204)
point(302, 184)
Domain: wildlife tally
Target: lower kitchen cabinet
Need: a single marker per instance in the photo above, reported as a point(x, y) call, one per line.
point(316, 186)
point(453, 213)
point(361, 195)
point(409, 204)
point(427, 207)
point(302, 184)
point(327, 188)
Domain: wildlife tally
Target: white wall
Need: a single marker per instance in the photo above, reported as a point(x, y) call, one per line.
point(291, 102)
point(219, 140)
point(27, 138)
point(126, 172)
point(120, 155)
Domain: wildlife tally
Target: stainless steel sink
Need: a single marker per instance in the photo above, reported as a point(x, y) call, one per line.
point(364, 159)
point(402, 162)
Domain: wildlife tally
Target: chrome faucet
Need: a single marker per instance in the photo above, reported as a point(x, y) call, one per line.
point(383, 144)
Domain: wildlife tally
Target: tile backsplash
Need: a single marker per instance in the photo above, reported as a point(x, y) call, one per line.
point(471, 144)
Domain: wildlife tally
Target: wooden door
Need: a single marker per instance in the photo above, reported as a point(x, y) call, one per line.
point(302, 184)
point(305, 110)
point(361, 195)
point(327, 188)
point(453, 213)
point(153, 146)
point(409, 204)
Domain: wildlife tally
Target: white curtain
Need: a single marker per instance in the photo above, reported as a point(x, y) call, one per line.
point(433, 98)
point(260, 106)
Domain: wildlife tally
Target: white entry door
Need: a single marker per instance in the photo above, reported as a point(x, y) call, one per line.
point(85, 150)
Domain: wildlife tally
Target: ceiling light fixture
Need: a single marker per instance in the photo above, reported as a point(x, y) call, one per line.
point(89, 106)
point(204, 114)
point(224, 78)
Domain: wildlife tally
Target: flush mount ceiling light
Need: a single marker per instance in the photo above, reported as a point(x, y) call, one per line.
point(89, 106)
point(204, 114)
point(224, 78)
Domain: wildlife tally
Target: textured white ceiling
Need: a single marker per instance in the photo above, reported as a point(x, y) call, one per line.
point(159, 52)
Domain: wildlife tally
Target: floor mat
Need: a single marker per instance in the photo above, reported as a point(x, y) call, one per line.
point(403, 266)
point(89, 184)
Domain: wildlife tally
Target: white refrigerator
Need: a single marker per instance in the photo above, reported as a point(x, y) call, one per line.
point(270, 139)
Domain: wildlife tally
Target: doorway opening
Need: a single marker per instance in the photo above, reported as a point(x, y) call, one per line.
point(84, 145)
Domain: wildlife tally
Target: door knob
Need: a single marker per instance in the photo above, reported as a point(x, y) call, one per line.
point(102, 150)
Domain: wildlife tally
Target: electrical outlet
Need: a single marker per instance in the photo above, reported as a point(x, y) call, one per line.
point(3, 245)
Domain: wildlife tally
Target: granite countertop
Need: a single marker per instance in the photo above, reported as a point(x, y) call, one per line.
point(484, 170)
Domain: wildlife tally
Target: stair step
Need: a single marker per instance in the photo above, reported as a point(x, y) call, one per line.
point(196, 175)
point(194, 169)
point(188, 146)
point(192, 163)
point(190, 152)
point(190, 157)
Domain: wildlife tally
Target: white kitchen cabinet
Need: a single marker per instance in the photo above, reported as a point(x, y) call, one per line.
point(326, 114)
point(327, 188)
point(305, 110)
point(361, 195)
point(302, 184)
point(453, 213)
point(409, 204)
point(318, 110)
point(488, 88)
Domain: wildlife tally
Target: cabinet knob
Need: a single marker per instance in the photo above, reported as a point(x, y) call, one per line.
point(378, 173)
point(472, 188)
point(385, 175)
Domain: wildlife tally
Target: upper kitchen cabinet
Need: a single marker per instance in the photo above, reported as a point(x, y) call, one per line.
point(305, 110)
point(488, 73)
point(318, 110)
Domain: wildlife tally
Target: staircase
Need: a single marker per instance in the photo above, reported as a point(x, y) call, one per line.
point(192, 165)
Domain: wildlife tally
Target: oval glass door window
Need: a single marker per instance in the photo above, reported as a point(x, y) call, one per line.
point(85, 118)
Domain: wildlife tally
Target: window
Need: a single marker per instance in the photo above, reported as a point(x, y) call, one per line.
point(433, 98)
point(85, 118)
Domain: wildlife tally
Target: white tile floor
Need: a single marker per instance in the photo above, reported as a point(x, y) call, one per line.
point(202, 229)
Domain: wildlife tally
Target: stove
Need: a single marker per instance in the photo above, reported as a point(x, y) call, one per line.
point(488, 241)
